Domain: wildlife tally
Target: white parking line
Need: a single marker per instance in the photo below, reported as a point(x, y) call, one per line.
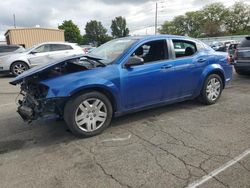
point(218, 170)
point(117, 139)
point(8, 104)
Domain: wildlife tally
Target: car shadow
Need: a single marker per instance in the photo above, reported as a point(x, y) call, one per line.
point(7, 76)
point(154, 112)
point(44, 133)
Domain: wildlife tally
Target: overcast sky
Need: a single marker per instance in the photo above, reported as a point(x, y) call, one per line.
point(51, 13)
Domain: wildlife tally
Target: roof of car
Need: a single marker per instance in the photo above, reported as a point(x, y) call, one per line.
point(145, 37)
point(10, 45)
point(56, 42)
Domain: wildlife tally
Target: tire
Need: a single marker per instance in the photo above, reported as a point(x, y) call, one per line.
point(212, 89)
point(18, 68)
point(88, 114)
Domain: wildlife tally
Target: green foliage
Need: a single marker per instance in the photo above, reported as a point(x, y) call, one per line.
point(71, 31)
point(96, 33)
point(213, 20)
point(238, 20)
point(119, 27)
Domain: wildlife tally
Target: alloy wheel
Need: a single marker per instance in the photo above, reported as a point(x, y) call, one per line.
point(19, 68)
point(91, 114)
point(213, 89)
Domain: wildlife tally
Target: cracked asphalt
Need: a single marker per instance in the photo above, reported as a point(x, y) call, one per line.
point(171, 146)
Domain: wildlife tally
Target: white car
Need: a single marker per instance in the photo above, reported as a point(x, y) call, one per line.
point(37, 55)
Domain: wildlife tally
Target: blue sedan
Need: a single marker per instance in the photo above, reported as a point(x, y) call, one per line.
point(122, 76)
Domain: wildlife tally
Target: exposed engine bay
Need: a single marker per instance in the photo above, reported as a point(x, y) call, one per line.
point(33, 104)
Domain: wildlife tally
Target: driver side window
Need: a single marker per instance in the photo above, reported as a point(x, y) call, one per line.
point(43, 48)
point(152, 51)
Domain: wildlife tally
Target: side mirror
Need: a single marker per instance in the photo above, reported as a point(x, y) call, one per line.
point(33, 52)
point(133, 61)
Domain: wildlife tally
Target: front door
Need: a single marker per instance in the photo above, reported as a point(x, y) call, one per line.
point(144, 85)
point(39, 55)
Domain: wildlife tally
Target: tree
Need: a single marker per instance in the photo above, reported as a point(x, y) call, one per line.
point(119, 27)
point(238, 19)
point(96, 33)
point(71, 31)
point(167, 28)
point(193, 23)
point(213, 22)
point(175, 27)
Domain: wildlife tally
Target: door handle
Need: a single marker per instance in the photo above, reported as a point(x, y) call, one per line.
point(166, 66)
point(201, 60)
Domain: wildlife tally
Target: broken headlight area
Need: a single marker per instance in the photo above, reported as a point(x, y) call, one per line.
point(33, 104)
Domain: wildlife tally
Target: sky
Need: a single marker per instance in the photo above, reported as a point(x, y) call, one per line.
point(140, 14)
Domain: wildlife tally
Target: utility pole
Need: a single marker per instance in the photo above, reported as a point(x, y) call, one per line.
point(14, 19)
point(156, 15)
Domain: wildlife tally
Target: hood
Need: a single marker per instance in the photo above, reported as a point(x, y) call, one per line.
point(42, 68)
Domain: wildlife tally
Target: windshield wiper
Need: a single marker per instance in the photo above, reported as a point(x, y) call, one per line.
point(96, 59)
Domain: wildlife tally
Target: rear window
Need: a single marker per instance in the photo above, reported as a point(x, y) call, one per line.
point(245, 42)
point(8, 48)
point(60, 47)
point(184, 48)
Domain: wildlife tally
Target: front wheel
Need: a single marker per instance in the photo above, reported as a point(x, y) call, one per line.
point(212, 89)
point(18, 68)
point(88, 114)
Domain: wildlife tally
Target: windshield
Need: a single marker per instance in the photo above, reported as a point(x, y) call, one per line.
point(112, 50)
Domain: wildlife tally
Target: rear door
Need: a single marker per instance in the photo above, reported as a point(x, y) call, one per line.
point(188, 63)
point(60, 51)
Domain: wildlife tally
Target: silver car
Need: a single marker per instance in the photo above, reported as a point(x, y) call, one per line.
point(37, 55)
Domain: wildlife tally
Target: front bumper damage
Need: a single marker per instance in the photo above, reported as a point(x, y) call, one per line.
point(30, 108)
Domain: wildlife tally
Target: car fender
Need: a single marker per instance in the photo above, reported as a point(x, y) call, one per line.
point(16, 59)
point(212, 68)
point(70, 89)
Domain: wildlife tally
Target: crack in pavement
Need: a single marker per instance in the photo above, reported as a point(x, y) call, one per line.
point(109, 175)
point(161, 167)
point(190, 175)
point(103, 169)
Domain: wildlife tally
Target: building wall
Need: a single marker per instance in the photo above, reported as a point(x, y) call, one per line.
point(31, 36)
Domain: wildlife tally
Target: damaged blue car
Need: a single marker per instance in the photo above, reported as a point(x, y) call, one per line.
point(122, 76)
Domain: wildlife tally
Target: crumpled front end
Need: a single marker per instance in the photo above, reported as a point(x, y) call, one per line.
point(33, 103)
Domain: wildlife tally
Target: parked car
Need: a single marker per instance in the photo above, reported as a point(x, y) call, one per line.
point(231, 50)
point(38, 55)
point(9, 49)
point(242, 57)
point(222, 46)
point(218, 46)
point(119, 78)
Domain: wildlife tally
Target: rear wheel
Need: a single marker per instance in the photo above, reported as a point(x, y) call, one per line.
point(212, 89)
point(18, 68)
point(88, 114)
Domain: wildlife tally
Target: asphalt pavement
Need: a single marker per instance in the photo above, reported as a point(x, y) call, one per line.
point(180, 145)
